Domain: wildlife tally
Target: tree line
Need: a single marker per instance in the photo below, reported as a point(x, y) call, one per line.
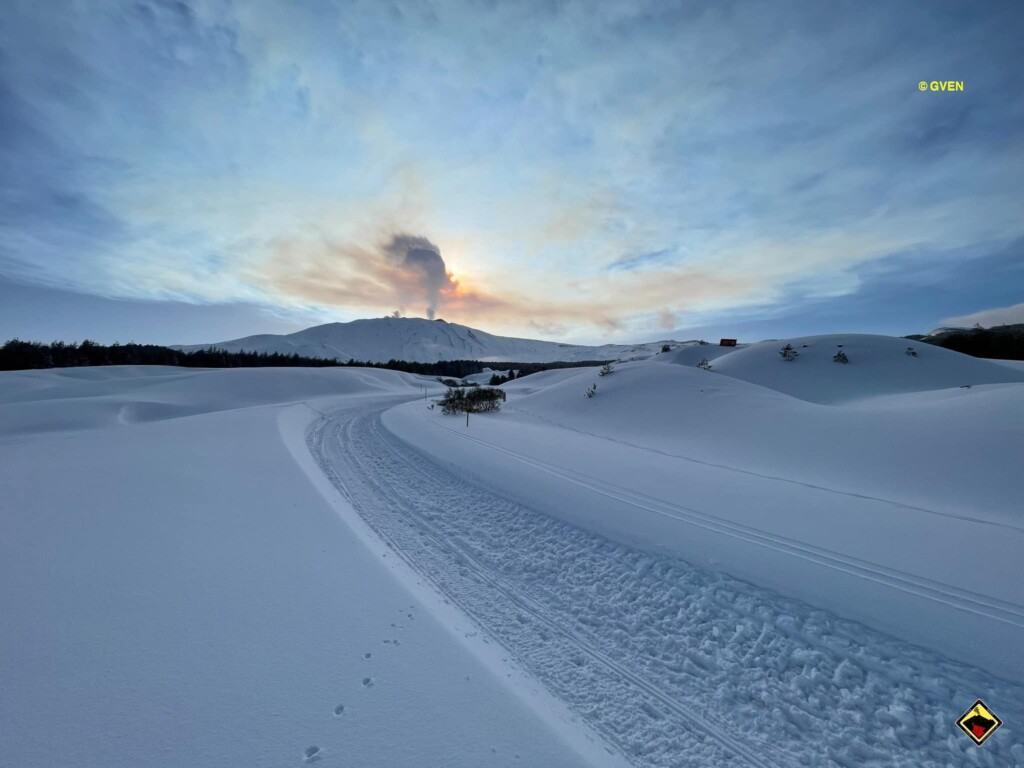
point(1003, 342)
point(17, 355)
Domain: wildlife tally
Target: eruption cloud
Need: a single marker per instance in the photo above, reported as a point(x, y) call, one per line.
point(418, 257)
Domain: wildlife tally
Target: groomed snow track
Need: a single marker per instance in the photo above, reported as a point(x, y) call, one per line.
point(674, 665)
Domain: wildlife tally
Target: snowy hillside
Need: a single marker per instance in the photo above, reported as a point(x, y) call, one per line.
point(878, 365)
point(424, 341)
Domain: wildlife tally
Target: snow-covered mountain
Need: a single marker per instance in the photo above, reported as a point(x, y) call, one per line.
point(424, 341)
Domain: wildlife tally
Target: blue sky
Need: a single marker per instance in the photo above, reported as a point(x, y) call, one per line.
point(198, 170)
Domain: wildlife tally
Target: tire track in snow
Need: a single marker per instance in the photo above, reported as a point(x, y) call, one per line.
point(522, 601)
point(962, 599)
point(688, 718)
point(802, 687)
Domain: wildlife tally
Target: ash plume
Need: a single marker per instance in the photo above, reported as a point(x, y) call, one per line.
point(420, 259)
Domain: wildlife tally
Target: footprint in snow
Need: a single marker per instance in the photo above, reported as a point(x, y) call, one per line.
point(367, 656)
point(339, 710)
point(367, 682)
point(311, 754)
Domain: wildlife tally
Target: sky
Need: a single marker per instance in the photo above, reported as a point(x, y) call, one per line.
point(189, 171)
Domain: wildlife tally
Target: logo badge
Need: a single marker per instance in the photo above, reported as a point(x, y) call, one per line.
point(979, 722)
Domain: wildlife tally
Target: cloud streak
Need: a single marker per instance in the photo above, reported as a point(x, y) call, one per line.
point(989, 317)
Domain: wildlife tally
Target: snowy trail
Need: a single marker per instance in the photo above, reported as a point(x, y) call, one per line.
point(674, 665)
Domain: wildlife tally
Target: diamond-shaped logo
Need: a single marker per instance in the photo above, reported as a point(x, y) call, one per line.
point(979, 722)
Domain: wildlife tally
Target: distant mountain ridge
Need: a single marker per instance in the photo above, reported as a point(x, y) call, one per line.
point(424, 341)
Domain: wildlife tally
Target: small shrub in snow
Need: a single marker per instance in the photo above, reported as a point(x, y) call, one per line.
point(704, 365)
point(666, 348)
point(591, 390)
point(483, 400)
point(471, 400)
point(912, 352)
point(840, 357)
point(788, 353)
point(606, 369)
point(453, 402)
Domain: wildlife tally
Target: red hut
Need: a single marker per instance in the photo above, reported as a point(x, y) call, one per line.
point(727, 343)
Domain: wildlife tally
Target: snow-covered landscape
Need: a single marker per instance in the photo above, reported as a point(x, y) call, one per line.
point(461, 384)
point(764, 563)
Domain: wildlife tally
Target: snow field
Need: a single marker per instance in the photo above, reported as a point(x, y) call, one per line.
point(677, 665)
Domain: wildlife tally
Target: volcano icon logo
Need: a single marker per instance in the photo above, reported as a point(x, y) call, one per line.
point(979, 722)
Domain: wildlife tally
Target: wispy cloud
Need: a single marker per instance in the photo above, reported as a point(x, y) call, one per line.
point(577, 166)
point(639, 260)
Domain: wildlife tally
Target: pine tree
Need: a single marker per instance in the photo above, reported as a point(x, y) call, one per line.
point(606, 369)
point(840, 357)
point(591, 391)
point(704, 365)
point(788, 353)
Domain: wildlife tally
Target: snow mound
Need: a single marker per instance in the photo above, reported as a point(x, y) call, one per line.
point(648, 398)
point(878, 365)
point(691, 354)
point(872, 446)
